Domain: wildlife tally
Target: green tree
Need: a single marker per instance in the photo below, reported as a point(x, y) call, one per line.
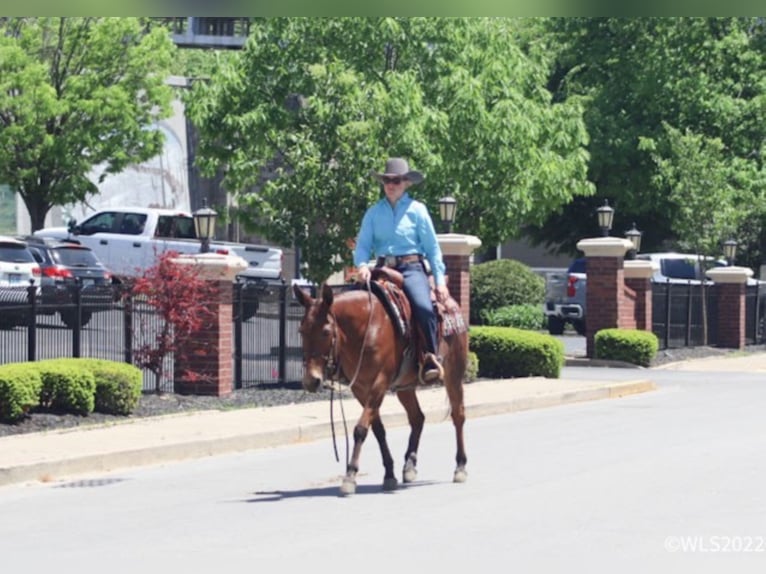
point(77, 95)
point(703, 188)
point(313, 105)
point(636, 75)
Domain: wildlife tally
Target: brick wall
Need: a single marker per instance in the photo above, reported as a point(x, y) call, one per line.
point(459, 281)
point(731, 315)
point(641, 290)
point(605, 300)
point(210, 352)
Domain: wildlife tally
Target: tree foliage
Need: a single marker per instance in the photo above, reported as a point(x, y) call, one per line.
point(651, 80)
point(181, 300)
point(313, 105)
point(77, 94)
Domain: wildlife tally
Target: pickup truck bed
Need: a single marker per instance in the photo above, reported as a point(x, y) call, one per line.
point(129, 240)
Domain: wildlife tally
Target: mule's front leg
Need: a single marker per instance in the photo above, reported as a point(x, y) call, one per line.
point(348, 486)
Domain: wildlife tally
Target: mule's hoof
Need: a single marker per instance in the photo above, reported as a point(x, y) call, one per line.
point(410, 474)
point(347, 487)
point(460, 475)
point(390, 484)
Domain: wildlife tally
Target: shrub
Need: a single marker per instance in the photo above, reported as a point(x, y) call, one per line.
point(629, 345)
point(501, 283)
point(19, 391)
point(118, 385)
point(471, 368)
point(527, 317)
point(66, 387)
point(508, 352)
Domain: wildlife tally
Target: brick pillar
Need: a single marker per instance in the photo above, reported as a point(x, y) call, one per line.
point(605, 302)
point(456, 251)
point(638, 279)
point(730, 293)
point(210, 353)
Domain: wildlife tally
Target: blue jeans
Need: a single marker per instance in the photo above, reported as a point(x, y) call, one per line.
point(418, 292)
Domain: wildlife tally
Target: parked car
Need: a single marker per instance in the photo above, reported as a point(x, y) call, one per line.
point(65, 268)
point(680, 267)
point(565, 299)
point(18, 270)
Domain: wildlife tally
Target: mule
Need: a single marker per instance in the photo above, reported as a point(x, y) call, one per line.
point(351, 338)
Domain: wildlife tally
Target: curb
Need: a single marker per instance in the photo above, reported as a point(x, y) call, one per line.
point(585, 362)
point(54, 470)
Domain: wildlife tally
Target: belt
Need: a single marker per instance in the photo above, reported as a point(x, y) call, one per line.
point(396, 260)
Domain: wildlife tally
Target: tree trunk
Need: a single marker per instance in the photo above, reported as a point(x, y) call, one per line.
point(37, 209)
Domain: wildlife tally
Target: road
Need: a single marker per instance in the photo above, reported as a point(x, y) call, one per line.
point(670, 481)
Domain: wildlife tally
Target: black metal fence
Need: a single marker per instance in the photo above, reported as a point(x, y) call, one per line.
point(266, 345)
point(679, 318)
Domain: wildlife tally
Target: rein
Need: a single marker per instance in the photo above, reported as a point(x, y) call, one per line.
point(353, 379)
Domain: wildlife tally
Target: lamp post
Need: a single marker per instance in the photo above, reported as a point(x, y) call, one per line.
point(605, 216)
point(204, 225)
point(730, 251)
point(447, 209)
point(634, 235)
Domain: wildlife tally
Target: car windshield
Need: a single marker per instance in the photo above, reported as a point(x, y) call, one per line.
point(75, 257)
point(15, 253)
point(678, 268)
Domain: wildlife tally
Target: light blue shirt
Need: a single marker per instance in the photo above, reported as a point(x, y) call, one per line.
point(405, 229)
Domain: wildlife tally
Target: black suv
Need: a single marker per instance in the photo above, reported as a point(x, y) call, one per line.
point(66, 267)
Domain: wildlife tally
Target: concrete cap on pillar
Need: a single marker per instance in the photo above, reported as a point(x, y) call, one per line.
point(730, 274)
point(214, 266)
point(604, 246)
point(458, 244)
point(639, 269)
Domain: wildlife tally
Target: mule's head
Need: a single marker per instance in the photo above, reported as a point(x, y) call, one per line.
point(319, 335)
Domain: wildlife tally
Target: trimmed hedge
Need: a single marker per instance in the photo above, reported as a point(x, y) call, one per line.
point(19, 391)
point(77, 386)
point(118, 385)
point(471, 368)
point(508, 352)
point(527, 317)
point(629, 345)
point(501, 283)
point(66, 387)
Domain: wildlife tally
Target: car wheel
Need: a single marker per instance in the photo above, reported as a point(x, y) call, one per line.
point(579, 326)
point(555, 325)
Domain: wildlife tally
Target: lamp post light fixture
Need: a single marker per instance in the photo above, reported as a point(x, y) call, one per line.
point(634, 235)
point(730, 251)
point(204, 225)
point(447, 209)
point(605, 217)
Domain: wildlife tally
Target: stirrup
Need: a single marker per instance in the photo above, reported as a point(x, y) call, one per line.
point(434, 373)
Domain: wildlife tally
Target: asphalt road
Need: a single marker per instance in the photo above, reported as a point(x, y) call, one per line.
point(669, 481)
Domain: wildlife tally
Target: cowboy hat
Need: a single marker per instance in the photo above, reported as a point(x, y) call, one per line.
point(397, 166)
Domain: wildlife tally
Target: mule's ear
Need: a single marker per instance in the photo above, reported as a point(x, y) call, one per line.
point(302, 297)
point(326, 294)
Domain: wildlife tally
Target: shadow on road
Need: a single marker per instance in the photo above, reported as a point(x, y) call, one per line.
point(333, 491)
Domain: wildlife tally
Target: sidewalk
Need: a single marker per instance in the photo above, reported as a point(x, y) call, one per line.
point(52, 456)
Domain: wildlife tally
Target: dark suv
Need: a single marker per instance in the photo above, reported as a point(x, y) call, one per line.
point(65, 268)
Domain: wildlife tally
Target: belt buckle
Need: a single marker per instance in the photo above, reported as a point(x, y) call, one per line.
point(390, 261)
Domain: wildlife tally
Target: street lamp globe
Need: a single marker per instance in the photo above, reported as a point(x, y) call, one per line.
point(447, 210)
point(605, 217)
point(204, 225)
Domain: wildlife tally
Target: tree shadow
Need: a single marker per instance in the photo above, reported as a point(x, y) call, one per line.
point(331, 491)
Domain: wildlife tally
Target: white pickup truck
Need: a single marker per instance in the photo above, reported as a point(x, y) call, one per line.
point(128, 240)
